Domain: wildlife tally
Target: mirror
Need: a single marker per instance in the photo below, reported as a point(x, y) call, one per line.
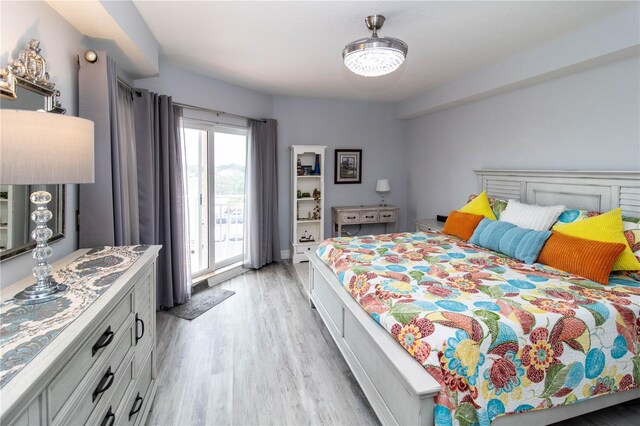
point(25, 84)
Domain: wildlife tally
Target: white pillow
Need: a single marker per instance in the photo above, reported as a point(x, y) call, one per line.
point(528, 216)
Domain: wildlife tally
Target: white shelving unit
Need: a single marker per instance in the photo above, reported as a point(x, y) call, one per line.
point(307, 212)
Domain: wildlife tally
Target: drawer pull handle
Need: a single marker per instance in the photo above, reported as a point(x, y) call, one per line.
point(386, 215)
point(369, 217)
point(139, 321)
point(351, 217)
point(137, 405)
point(109, 419)
point(104, 340)
point(105, 383)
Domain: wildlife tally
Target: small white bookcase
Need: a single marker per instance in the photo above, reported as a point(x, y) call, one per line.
point(307, 192)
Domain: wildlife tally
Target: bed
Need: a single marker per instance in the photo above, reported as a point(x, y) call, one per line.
point(438, 331)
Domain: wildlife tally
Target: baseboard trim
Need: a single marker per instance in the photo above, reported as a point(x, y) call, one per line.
point(285, 254)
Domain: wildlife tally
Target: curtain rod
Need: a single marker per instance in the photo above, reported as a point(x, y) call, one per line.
point(215, 111)
point(128, 86)
point(218, 112)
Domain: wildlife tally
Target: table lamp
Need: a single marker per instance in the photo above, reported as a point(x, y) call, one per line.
point(382, 187)
point(38, 148)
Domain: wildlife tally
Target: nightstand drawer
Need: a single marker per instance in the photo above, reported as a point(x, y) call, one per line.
point(429, 225)
point(346, 217)
point(388, 216)
point(366, 217)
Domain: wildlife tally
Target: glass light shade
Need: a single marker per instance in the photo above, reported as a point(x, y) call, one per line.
point(373, 57)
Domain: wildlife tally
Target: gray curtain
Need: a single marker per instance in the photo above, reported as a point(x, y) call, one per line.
point(162, 193)
point(262, 242)
point(127, 228)
point(109, 207)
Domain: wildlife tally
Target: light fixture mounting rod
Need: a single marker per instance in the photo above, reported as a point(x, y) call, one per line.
point(374, 23)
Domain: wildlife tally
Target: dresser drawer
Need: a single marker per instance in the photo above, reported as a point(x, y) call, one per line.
point(92, 352)
point(368, 217)
point(115, 411)
point(388, 216)
point(132, 406)
point(101, 382)
point(349, 217)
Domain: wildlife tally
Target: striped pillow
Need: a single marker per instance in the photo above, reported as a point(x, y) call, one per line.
point(529, 216)
point(579, 256)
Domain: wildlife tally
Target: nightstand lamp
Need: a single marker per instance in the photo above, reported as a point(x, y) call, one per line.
point(382, 187)
point(38, 148)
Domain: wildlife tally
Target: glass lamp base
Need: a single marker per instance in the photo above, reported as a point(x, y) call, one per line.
point(32, 295)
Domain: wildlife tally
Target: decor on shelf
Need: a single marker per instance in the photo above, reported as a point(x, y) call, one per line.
point(316, 194)
point(374, 56)
point(382, 187)
point(300, 172)
point(316, 169)
point(306, 170)
point(316, 212)
point(306, 238)
point(348, 166)
point(40, 148)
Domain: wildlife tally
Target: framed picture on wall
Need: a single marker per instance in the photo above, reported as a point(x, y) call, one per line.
point(348, 167)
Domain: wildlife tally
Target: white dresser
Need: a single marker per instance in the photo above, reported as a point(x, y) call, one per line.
point(96, 361)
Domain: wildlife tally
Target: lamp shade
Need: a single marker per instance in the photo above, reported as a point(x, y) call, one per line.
point(383, 185)
point(45, 148)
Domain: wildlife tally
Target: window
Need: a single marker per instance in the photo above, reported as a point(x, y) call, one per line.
point(216, 163)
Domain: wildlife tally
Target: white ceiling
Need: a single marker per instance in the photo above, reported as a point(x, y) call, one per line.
point(294, 48)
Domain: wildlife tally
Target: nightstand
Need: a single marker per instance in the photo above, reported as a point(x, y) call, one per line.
point(431, 225)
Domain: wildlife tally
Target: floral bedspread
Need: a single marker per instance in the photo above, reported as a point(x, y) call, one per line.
point(500, 336)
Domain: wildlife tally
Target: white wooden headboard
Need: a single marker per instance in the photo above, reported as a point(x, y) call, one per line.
point(587, 190)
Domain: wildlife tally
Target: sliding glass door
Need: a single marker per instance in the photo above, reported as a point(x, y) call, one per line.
point(216, 163)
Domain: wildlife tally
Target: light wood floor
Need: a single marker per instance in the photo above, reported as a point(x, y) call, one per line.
point(264, 357)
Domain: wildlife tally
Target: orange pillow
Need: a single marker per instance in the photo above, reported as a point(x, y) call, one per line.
point(587, 258)
point(461, 225)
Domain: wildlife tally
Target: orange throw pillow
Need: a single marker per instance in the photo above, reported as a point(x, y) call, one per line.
point(461, 225)
point(586, 258)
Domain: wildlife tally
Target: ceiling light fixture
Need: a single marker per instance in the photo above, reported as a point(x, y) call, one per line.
point(374, 56)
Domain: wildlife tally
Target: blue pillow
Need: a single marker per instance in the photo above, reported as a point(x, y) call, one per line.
point(504, 237)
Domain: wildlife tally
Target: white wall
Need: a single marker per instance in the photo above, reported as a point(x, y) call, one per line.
point(20, 22)
point(369, 126)
point(587, 120)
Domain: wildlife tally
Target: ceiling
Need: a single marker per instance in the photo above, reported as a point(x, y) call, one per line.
point(294, 48)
